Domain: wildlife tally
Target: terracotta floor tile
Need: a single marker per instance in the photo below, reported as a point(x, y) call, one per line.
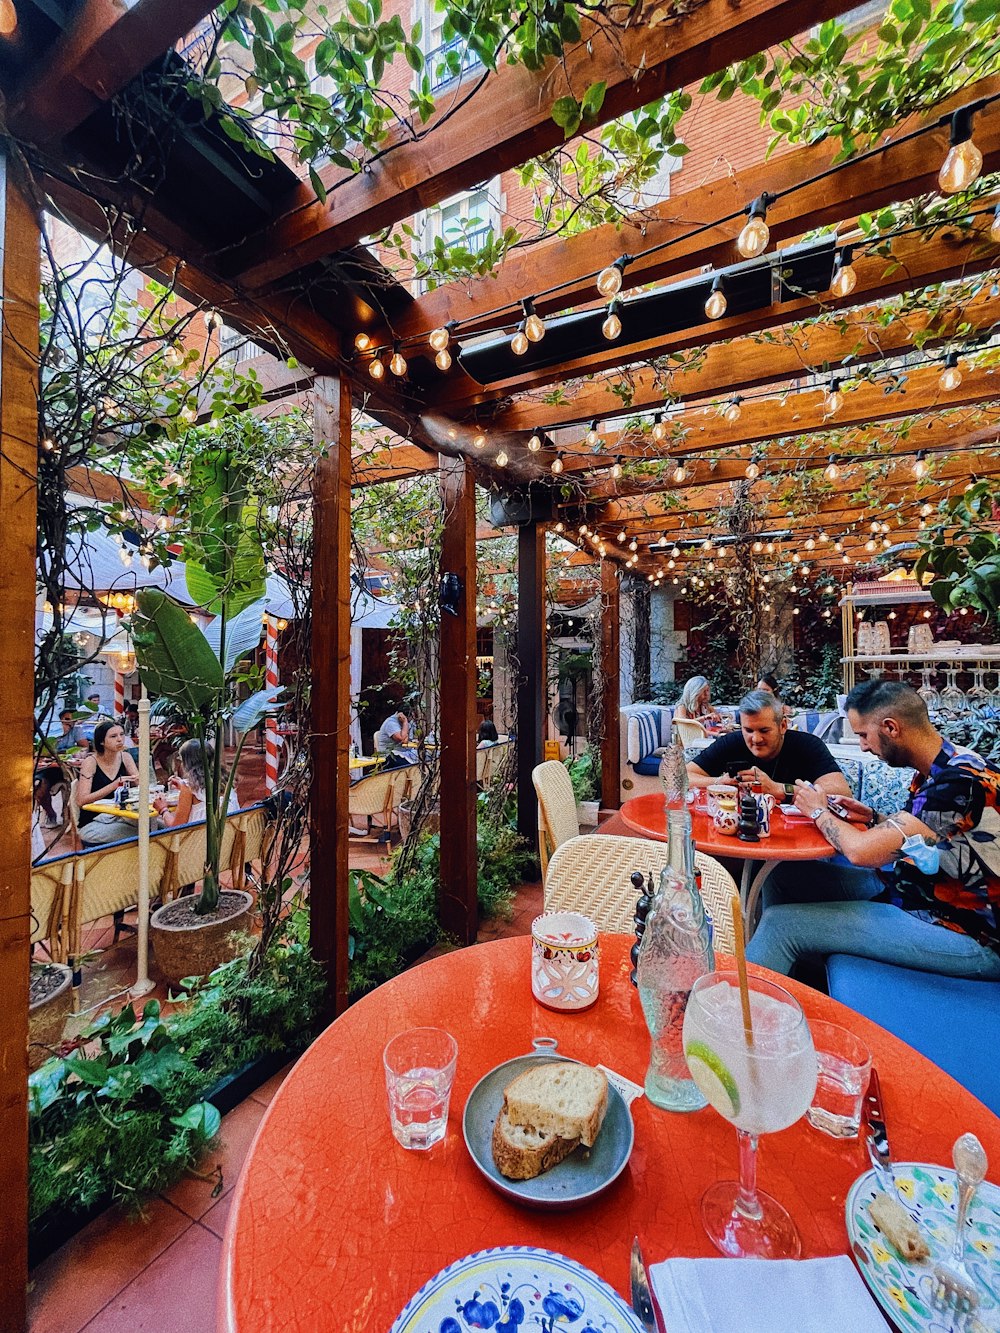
point(218, 1215)
point(267, 1090)
point(72, 1285)
point(175, 1294)
point(194, 1195)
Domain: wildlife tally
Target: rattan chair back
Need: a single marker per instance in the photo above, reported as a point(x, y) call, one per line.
point(557, 819)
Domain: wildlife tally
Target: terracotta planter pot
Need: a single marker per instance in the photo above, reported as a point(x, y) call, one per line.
point(47, 1015)
point(187, 945)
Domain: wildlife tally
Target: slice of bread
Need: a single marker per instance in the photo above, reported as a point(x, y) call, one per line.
point(522, 1152)
point(561, 1098)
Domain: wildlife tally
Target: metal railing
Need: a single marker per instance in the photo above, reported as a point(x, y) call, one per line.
point(469, 61)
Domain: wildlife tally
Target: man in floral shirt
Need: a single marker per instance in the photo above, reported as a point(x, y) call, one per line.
point(938, 909)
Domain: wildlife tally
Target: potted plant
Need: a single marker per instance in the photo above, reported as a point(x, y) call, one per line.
point(585, 776)
point(50, 1003)
point(963, 551)
point(197, 673)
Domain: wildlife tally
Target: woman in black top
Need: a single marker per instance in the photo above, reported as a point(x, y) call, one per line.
point(101, 775)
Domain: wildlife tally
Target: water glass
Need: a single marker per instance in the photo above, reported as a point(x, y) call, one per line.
point(419, 1072)
point(844, 1064)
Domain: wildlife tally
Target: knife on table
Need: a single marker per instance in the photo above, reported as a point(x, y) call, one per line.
point(642, 1300)
point(876, 1137)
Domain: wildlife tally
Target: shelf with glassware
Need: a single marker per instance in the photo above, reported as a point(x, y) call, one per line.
point(869, 647)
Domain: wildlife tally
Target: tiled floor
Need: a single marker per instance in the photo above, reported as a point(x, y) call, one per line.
point(158, 1274)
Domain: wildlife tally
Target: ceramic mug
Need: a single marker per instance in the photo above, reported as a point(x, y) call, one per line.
point(725, 821)
point(564, 960)
point(720, 796)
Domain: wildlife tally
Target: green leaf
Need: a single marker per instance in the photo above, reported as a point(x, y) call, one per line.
point(243, 633)
point(567, 114)
point(174, 657)
point(593, 100)
point(316, 181)
point(414, 56)
point(202, 1118)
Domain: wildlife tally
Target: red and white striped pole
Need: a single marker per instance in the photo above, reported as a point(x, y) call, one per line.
point(271, 682)
point(119, 696)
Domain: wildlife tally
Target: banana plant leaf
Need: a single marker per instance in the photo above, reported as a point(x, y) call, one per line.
point(175, 659)
point(256, 707)
point(242, 633)
point(224, 561)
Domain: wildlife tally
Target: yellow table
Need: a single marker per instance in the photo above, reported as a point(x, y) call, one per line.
point(120, 812)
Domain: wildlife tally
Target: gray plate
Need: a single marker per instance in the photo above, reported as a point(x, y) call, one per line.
point(578, 1178)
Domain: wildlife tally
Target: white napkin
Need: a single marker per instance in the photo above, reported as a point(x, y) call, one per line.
point(764, 1296)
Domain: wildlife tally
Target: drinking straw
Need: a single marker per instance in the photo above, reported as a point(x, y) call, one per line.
point(741, 967)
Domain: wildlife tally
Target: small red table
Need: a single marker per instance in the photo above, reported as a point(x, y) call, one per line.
point(790, 840)
point(334, 1226)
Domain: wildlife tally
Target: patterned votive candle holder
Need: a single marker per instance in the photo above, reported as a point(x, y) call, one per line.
point(564, 960)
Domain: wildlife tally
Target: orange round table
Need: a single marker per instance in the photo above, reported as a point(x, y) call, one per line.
point(789, 840)
point(334, 1226)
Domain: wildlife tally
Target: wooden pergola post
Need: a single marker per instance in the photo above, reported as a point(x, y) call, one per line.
point(459, 878)
point(19, 254)
point(331, 685)
point(610, 684)
point(531, 673)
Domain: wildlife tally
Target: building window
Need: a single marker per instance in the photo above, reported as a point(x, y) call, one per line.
point(467, 218)
point(859, 20)
point(446, 61)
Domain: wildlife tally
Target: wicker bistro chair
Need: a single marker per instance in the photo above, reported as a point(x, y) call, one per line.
point(689, 730)
point(379, 794)
point(590, 874)
point(557, 819)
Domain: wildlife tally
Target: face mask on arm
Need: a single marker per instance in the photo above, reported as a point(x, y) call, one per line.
point(925, 856)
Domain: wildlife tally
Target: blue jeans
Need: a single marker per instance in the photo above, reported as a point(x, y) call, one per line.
point(792, 931)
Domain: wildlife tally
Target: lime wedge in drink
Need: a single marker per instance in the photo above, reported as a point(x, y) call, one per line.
point(713, 1079)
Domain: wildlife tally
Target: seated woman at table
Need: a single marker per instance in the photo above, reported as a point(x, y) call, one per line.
point(192, 759)
point(51, 775)
point(695, 703)
point(487, 733)
point(769, 684)
point(101, 774)
point(766, 753)
point(937, 907)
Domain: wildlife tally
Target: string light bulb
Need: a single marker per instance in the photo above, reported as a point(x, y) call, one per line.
point(609, 280)
point(519, 343)
point(715, 305)
point(926, 510)
point(376, 368)
point(680, 472)
point(174, 354)
point(616, 469)
point(535, 443)
point(213, 320)
point(752, 240)
point(733, 410)
point(534, 325)
point(963, 161)
point(834, 397)
point(502, 459)
point(593, 439)
point(659, 429)
point(753, 471)
point(995, 226)
point(443, 359)
point(920, 465)
point(557, 464)
point(832, 470)
point(478, 440)
point(845, 278)
point(439, 339)
point(612, 326)
point(951, 376)
point(362, 342)
point(397, 363)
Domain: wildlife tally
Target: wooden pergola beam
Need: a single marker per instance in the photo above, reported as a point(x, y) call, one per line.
point(901, 171)
point(914, 262)
point(508, 120)
point(104, 47)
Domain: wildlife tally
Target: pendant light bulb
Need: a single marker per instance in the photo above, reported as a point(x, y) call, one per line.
point(964, 161)
point(502, 459)
point(609, 281)
point(616, 469)
point(715, 306)
point(659, 429)
point(534, 327)
point(752, 240)
point(832, 470)
point(519, 343)
point(834, 398)
point(680, 472)
point(845, 279)
point(557, 464)
point(397, 363)
point(951, 376)
point(362, 342)
point(443, 359)
point(534, 444)
point(174, 354)
point(439, 339)
point(733, 410)
point(753, 472)
point(376, 368)
point(612, 326)
point(920, 466)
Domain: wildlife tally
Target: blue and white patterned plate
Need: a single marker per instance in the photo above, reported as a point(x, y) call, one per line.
point(905, 1290)
point(516, 1289)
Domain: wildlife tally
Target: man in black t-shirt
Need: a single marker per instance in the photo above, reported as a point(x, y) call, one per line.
point(766, 752)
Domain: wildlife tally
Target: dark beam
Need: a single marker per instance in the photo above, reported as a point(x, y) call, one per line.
point(509, 120)
point(331, 688)
point(531, 671)
point(610, 684)
point(459, 879)
point(21, 282)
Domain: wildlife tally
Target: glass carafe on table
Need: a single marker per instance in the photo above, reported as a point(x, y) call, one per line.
point(760, 1084)
point(676, 950)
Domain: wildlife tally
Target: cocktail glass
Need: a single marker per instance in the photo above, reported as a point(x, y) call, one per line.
point(760, 1088)
point(952, 698)
point(927, 691)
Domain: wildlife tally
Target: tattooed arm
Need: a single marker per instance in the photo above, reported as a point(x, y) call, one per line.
point(862, 847)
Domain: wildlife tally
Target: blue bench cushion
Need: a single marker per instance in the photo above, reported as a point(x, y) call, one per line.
point(955, 1023)
point(648, 767)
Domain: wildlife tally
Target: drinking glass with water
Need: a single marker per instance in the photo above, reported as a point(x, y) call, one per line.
point(844, 1064)
point(419, 1072)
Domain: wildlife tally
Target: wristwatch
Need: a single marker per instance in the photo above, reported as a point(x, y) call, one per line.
point(790, 790)
point(820, 810)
